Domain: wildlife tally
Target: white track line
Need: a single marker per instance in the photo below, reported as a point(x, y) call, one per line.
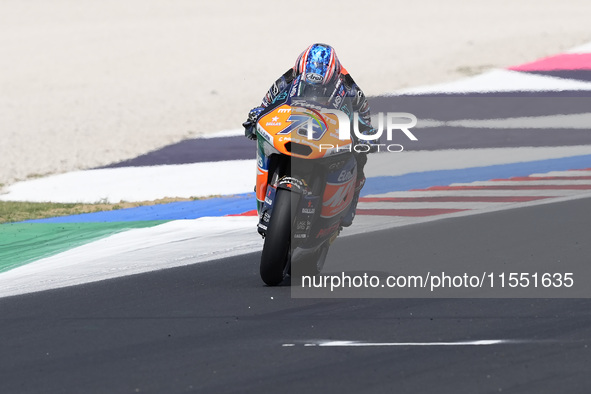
point(479, 193)
point(430, 205)
point(586, 48)
point(330, 343)
point(564, 173)
point(502, 81)
point(551, 182)
point(139, 183)
point(392, 164)
point(542, 123)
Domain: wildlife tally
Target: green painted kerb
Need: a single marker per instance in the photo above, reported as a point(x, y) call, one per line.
point(22, 243)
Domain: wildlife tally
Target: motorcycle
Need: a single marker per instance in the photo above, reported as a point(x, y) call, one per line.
point(305, 184)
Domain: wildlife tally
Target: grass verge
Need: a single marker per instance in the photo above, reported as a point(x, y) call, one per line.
point(13, 211)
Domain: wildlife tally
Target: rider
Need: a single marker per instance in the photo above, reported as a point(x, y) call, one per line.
point(319, 67)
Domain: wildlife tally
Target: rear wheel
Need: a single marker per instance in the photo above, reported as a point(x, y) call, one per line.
point(276, 250)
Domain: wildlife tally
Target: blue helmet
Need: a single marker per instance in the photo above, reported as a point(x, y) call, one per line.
point(318, 65)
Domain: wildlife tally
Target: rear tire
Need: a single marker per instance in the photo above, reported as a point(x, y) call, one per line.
point(276, 250)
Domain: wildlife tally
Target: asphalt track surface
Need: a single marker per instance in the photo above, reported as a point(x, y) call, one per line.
point(214, 327)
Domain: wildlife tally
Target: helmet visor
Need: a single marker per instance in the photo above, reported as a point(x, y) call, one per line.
point(317, 65)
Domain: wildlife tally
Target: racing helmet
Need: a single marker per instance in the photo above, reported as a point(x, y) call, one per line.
point(318, 65)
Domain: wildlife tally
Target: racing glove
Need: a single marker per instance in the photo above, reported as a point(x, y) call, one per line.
point(250, 124)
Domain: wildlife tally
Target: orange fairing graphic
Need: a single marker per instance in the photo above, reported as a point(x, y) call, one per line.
point(287, 129)
point(337, 197)
point(261, 185)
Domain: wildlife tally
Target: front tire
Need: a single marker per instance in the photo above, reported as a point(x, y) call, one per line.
point(276, 250)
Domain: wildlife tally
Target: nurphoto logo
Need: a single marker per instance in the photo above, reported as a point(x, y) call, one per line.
point(395, 121)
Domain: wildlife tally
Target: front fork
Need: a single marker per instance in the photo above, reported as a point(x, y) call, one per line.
point(274, 173)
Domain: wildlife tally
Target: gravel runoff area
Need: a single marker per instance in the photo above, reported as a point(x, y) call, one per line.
point(88, 83)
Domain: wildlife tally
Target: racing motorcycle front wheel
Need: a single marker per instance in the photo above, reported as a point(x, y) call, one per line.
point(275, 259)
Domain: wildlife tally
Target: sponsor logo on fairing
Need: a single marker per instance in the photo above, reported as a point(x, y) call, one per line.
point(275, 122)
point(345, 176)
point(281, 97)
